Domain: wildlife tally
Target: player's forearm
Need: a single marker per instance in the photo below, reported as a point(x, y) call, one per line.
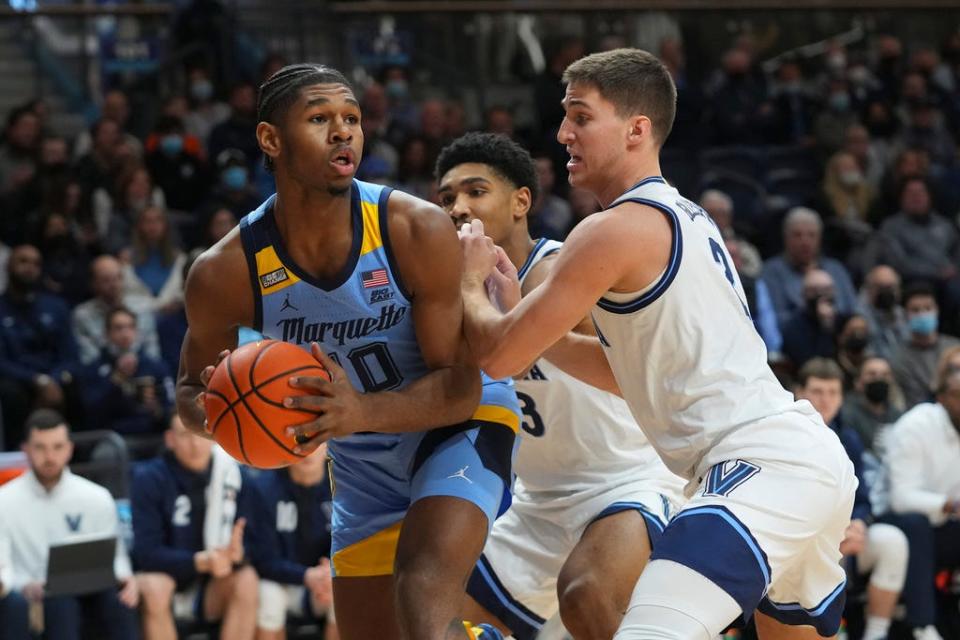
point(191, 414)
point(444, 396)
point(487, 331)
point(583, 358)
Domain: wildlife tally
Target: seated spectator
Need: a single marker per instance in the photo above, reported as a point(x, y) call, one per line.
point(65, 258)
point(918, 242)
point(52, 170)
point(18, 153)
point(206, 112)
point(414, 168)
point(238, 131)
point(758, 302)
point(794, 106)
point(879, 549)
point(55, 507)
point(126, 390)
point(925, 476)
point(99, 167)
point(115, 108)
point(291, 550)
point(89, 318)
point(188, 547)
point(183, 176)
point(916, 359)
point(219, 224)
point(37, 350)
point(874, 404)
point(234, 188)
point(811, 331)
point(853, 337)
point(880, 305)
point(871, 156)
point(830, 125)
point(925, 130)
point(720, 207)
point(783, 274)
point(116, 210)
point(154, 263)
point(847, 203)
point(550, 216)
point(376, 124)
point(740, 112)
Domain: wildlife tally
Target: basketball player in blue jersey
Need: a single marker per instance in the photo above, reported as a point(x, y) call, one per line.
point(368, 279)
point(770, 488)
point(591, 495)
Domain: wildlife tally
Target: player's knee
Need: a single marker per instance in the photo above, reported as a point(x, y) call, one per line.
point(272, 606)
point(156, 591)
point(889, 545)
point(583, 604)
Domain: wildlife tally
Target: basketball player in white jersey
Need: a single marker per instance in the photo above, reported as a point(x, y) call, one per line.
point(591, 495)
point(771, 489)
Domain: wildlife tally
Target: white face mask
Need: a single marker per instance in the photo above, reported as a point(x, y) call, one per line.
point(851, 178)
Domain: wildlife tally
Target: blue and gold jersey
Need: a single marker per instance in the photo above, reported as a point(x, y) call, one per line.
point(361, 317)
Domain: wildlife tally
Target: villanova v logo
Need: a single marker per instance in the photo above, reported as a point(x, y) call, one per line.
point(73, 522)
point(725, 477)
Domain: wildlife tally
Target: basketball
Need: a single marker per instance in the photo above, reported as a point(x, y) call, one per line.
point(244, 402)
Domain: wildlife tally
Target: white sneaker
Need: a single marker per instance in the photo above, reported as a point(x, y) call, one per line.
point(929, 632)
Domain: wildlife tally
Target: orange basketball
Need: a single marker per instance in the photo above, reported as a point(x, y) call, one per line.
point(244, 402)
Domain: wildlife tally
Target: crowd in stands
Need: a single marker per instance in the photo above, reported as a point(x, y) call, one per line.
point(835, 181)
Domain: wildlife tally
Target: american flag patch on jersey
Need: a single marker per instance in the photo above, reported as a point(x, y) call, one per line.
point(375, 278)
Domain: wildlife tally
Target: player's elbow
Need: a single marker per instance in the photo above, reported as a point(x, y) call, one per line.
point(499, 364)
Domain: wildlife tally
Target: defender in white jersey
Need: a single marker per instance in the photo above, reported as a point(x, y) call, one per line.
point(591, 495)
point(771, 488)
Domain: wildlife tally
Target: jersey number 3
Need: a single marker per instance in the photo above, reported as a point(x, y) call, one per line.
point(532, 422)
point(720, 256)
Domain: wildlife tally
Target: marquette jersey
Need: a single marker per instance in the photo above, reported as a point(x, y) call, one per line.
point(686, 355)
point(578, 438)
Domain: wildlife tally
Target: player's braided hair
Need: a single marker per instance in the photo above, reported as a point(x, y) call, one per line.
point(504, 156)
point(283, 88)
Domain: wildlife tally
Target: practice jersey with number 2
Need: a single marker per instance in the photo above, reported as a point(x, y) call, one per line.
point(686, 355)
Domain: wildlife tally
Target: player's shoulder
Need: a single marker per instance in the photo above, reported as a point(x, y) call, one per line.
point(152, 473)
point(412, 218)
point(220, 272)
point(82, 488)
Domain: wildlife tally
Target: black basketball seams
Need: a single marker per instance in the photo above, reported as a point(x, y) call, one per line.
point(256, 418)
point(236, 388)
point(255, 389)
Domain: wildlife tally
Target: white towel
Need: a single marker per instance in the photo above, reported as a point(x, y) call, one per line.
point(222, 493)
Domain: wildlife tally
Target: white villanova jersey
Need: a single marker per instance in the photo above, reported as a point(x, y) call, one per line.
point(578, 438)
point(686, 355)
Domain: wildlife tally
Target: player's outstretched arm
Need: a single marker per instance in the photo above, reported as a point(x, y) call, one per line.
point(218, 300)
point(506, 344)
point(579, 351)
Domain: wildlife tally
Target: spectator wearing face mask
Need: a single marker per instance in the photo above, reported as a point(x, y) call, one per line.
point(206, 112)
point(181, 175)
point(836, 118)
point(810, 331)
point(234, 189)
point(847, 204)
point(879, 303)
point(874, 404)
point(916, 359)
point(239, 130)
point(853, 338)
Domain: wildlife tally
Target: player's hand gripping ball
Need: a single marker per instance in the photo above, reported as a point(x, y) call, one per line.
point(244, 402)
